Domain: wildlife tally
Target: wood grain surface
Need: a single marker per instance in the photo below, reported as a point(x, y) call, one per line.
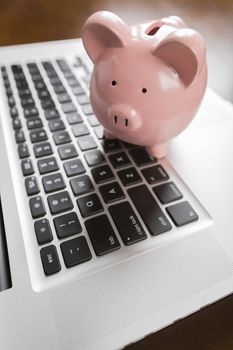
point(25, 21)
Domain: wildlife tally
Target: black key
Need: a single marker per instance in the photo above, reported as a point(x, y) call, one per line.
point(167, 192)
point(37, 77)
point(63, 65)
point(56, 125)
point(11, 101)
point(43, 94)
point(68, 74)
point(53, 182)
point(42, 149)
point(61, 137)
point(59, 88)
point(93, 121)
point(14, 112)
point(155, 174)
point(32, 67)
point(67, 225)
point(83, 99)
point(64, 97)
point(129, 176)
point(152, 215)
point(38, 135)
point(74, 118)
point(75, 251)
point(127, 223)
point(111, 192)
point(47, 165)
point(102, 235)
point(9, 92)
point(31, 185)
point(128, 145)
point(80, 130)
point(50, 260)
point(60, 202)
point(87, 143)
point(47, 104)
point(74, 167)
point(99, 131)
point(40, 85)
point(21, 84)
point(51, 114)
point(182, 213)
point(81, 185)
point(89, 205)
point(43, 231)
point(119, 160)
point(23, 150)
point(78, 90)
point(30, 112)
point(69, 107)
point(16, 123)
point(141, 156)
point(72, 81)
point(87, 109)
point(27, 102)
point(19, 136)
point(37, 207)
point(34, 123)
point(102, 174)
point(67, 151)
point(24, 93)
point(94, 158)
point(27, 167)
point(111, 145)
point(48, 66)
point(54, 80)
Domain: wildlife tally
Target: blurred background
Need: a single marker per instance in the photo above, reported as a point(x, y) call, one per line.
point(25, 21)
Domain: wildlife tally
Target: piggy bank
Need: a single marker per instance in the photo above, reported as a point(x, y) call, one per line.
point(148, 80)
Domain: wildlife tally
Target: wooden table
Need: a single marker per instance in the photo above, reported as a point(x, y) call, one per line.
point(23, 21)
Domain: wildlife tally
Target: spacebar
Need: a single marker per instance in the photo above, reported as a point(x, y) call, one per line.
point(153, 217)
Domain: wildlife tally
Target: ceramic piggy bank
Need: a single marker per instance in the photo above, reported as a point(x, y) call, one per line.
point(148, 80)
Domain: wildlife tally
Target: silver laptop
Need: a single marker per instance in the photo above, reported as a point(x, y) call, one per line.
point(103, 244)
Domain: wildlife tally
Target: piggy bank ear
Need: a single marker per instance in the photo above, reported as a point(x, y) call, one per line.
point(103, 30)
point(184, 50)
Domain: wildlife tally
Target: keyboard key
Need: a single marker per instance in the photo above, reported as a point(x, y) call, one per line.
point(38, 135)
point(63, 65)
point(68, 107)
point(64, 97)
point(47, 104)
point(86, 143)
point(23, 150)
point(72, 81)
point(14, 112)
point(56, 125)
point(102, 235)
point(75, 251)
point(141, 156)
point(119, 160)
point(43, 94)
point(74, 167)
point(67, 151)
point(43, 231)
point(182, 213)
point(53, 182)
point(67, 225)
point(89, 205)
point(37, 207)
point(42, 149)
point(93, 121)
point(81, 185)
point(60, 202)
point(111, 145)
point(61, 137)
point(19, 136)
point(11, 101)
point(24, 92)
point(50, 260)
point(129, 176)
point(167, 192)
point(34, 123)
point(99, 132)
point(27, 102)
point(74, 118)
point(30, 112)
point(78, 90)
point(111, 192)
point(155, 174)
point(59, 88)
point(31, 185)
point(55, 80)
point(51, 114)
point(152, 215)
point(83, 99)
point(80, 130)
point(27, 167)
point(87, 109)
point(102, 174)
point(94, 157)
point(39, 85)
point(47, 165)
point(127, 223)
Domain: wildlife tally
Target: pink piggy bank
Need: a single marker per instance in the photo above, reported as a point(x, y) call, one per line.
point(148, 80)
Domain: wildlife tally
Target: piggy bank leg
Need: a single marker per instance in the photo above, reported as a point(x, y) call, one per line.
point(159, 151)
point(108, 135)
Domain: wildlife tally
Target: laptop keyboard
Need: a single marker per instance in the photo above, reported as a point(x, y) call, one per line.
point(95, 195)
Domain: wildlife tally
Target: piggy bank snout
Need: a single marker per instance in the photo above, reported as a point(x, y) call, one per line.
point(124, 117)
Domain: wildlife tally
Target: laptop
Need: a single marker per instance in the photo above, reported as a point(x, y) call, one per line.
point(101, 243)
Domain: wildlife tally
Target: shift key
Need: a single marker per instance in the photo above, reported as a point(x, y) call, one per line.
point(153, 217)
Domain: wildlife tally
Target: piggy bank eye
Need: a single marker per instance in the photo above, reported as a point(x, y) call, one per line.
point(114, 82)
point(144, 90)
